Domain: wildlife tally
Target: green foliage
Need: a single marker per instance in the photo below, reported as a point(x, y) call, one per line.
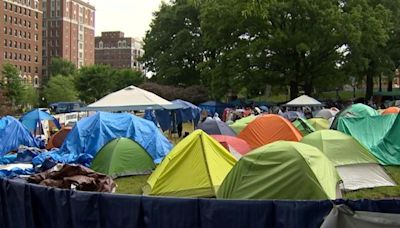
point(173, 46)
point(12, 84)
point(60, 88)
point(30, 97)
point(59, 66)
point(126, 77)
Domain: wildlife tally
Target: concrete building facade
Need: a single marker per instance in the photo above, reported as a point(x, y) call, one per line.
point(116, 50)
point(21, 38)
point(68, 31)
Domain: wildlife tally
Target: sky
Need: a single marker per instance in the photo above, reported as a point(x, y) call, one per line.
point(133, 17)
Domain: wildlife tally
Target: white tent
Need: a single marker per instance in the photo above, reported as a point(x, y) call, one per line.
point(304, 100)
point(129, 99)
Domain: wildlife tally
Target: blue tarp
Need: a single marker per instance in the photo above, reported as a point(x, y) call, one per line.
point(213, 107)
point(27, 205)
point(33, 118)
point(13, 134)
point(90, 134)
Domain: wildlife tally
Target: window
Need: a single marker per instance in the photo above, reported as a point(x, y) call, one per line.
point(5, 55)
point(36, 26)
point(5, 43)
point(15, 44)
point(36, 81)
point(101, 44)
point(36, 15)
point(15, 32)
point(36, 59)
point(5, 18)
point(10, 43)
point(5, 30)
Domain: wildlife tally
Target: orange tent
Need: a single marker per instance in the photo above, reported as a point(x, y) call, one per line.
point(267, 129)
point(58, 138)
point(391, 110)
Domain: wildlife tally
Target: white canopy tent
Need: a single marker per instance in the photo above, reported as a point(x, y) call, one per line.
point(131, 98)
point(304, 100)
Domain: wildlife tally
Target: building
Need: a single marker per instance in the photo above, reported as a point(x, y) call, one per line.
point(68, 32)
point(20, 38)
point(116, 50)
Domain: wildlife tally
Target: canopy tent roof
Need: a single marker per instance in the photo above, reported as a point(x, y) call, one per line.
point(267, 129)
point(13, 134)
point(304, 100)
point(32, 118)
point(195, 167)
point(129, 99)
point(281, 170)
point(122, 157)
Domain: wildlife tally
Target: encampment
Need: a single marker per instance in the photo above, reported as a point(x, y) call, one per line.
point(240, 124)
point(267, 129)
point(195, 167)
point(282, 170)
point(303, 126)
point(122, 157)
point(216, 127)
point(235, 145)
point(58, 138)
point(357, 167)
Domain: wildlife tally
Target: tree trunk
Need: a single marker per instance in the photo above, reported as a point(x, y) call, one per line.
point(308, 88)
point(380, 82)
point(390, 84)
point(370, 85)
point(294, 89)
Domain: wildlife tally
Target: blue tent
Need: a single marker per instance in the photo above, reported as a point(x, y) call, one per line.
point(90, 134)
point(214, 107)
point(33, 118)
point(13, 134)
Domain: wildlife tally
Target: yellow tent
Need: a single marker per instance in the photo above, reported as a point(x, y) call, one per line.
point(319, 123)
point(195, 167)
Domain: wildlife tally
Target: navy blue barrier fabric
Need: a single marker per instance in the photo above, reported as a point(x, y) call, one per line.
point(26, 205)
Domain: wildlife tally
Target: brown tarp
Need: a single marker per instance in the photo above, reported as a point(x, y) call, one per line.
point(74, 177)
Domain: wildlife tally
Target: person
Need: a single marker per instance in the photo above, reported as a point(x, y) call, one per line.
point(216, 116)
point(179, 129)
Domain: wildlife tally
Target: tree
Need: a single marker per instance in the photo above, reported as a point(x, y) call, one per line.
point(30, 97)
point(60, 88)
point(127, 77)
point(94, 82)
point(12, 84)
point(59, 66)
point(173, 47)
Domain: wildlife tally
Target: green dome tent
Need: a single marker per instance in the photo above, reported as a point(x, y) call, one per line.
point(319, 123)
point(303, 126)
point(195, 167)
point(355, 110)
point(239, 125)
point(282, 170)
point(357, 167)
point(122, 157)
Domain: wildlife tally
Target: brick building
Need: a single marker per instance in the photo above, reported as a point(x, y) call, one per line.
point(113, 48)
point(20, 37)
point(68, 31)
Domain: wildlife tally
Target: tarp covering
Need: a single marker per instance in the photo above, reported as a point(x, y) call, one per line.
point(267, 129)
point(58, 138)
point(122, 157)
point(378, 133)
point(240, 124)
point(194, 168)
point(391, 110)
point(27, 205)
point(319, 123)
point(281, 170)
point(130, 98)
point(355, 110)
point(188, 112)
point(213, 107)
point(342, 216)
point(13, 134)
point(216, 127)
point(304, 100)
point(90, 134)
point(33, 118)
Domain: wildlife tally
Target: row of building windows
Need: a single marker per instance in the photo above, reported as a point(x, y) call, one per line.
point(20, 33)
point(19, 21)
point(20, 57)
point(21, 10)
point(19, 45)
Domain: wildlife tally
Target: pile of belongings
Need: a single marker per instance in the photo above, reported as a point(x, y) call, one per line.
point(76, 177)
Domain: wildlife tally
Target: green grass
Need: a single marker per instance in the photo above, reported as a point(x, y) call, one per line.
point(379, 192)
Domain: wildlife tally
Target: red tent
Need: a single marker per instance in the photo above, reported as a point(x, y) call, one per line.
point(236, 146)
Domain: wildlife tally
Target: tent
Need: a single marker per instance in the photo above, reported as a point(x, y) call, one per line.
point(240, 124)
point(58, 138)
point(13, 134)
point(319, 123)
point(32, 119)
point(303, 126)
point(129, 99)
point(213, 107)
point(379, 134)
point(267, 129)
point(91, 133)
point(357, 167)
point(304, 100)
point(391, 110)
point(236, 146)
point(216, 127)
point(282, 170)
point(355, 110)
point(122, 157)
point(326, 113)
point(195, 167)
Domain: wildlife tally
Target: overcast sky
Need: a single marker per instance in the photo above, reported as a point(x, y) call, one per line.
point(132, 17)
